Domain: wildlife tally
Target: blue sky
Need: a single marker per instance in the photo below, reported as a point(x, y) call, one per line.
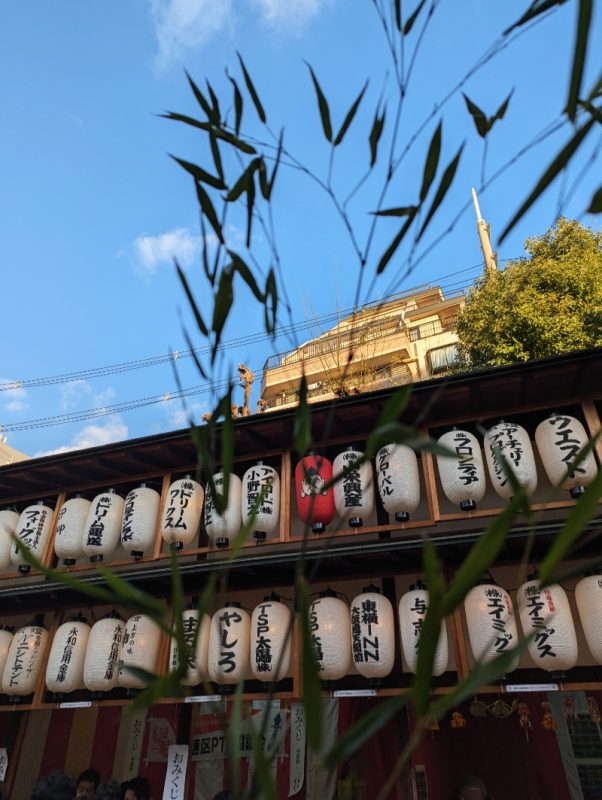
point(92, 209)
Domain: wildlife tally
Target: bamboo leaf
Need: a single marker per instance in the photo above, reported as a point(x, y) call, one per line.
point(309, 670)
point(245, 273)
point(390, 251)
point(250, 206)
point(375, 134)
point(302, 421)
point(224, 298)
point(349, 118)
point(159, 686)
point(478, 116)
point(238, 103)
point(444, 185)
point(432, 162)
point(226, 136)
point(413, 17)
point(398, 14)
point(585, 509)
point(200, 174)
point(191, 301)
point(583, 28)
point(215, 117)
point(208, 210)
point(217, 158)
point(557, 164)
point(233, 741)
point(536, 8)
point(322, 106)
point(191, 121)
point(400, 211)
point(252, 91)
point(199, 96)
point(242, 184)
point(264, 184)
point(501, 112)
point(595, 206)
point(364, 729)
point(276, 165)
point(270, 306)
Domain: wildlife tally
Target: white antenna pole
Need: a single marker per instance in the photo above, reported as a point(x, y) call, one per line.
point(483, 230)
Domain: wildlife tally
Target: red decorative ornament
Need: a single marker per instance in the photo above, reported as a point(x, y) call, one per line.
point(594, 710)
point(524, 712)
point(314, 503)
point(569, 711)
point(457, 720)
point(548, 722)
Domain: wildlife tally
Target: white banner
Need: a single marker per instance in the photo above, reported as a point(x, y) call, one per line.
point(297, 749)
point(322, 782)
point(160, 738)
point(129, 744)
point(175, 777)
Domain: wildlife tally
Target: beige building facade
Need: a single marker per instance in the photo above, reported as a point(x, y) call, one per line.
point(404, 338)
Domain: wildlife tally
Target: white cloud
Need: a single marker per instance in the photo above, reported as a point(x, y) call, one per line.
point(183, 26)
point(152, 251)
point(178, 417)
point(113, 429)
point(289, 14)
point(13, 400)
point(76, 393)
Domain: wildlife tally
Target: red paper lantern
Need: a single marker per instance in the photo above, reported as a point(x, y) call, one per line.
point(314, 503)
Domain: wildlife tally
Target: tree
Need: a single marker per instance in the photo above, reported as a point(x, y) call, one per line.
point(545, 304)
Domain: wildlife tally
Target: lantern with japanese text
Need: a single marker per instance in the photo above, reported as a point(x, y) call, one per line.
point(261, 481)
point(103, 654)
point(103, 525)
point(463, 477)
point(229, 642)
point(354, 491)
point(182, 512)
point(8, 527)
point(271, 636)
point(510, 442)
point(139, 649)
point(412, 612)
point(588, 595)
point(491, 622)
point(331, 635)
point(140, 514)
point(221, 528)
point(6, 636)
point(559, 440)
point(198, 645)
point(372, 634)
point(546, 613)
point(69, 536)
point(33, 530)
point(398, 480)
point(314, 502)
point(65, 668)
point(24, 660)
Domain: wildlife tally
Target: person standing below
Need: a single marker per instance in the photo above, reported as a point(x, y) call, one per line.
point(473, 788)
point(87, 783)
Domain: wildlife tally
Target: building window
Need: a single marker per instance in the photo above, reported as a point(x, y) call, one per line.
point(441, 358)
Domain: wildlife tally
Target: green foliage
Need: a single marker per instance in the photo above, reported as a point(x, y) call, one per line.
point(545, 304)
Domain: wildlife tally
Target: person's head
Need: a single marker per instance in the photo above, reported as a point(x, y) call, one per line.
point(223, 795)
point(137, 789)
point(87, 783)
point(56, 786)
point(109, 791)
point(472, 788)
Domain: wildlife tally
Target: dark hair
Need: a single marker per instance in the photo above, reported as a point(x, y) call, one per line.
point(140, 786)
point(90, 774)
point(473, 782)
point(224, 794)
point(109, 791)
point(56, 786)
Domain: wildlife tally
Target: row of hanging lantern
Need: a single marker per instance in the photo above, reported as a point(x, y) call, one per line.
point(234, 645)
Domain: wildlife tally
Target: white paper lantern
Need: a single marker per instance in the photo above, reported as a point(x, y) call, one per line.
point(182, 512)
point(547, 614)
point(512, 441)
point(559, 440)
point(354, 492)
point(33, 530)
point(271, 636)
point(257, 479)
point(462, 478)
point(491, 622)
point(8, 527)
point(65, 668)
point(6, 636)
point(103, 525)
point(331, 636)
point(103, 654)
point(398, 480)
point(24, 661)
point(588, 594)
point(412, 612)
point(69, 536)
point(198, 670)
point(372, 634)
point(140, 648)
point(229, 642)
point(140, 514)
point(220, 529)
